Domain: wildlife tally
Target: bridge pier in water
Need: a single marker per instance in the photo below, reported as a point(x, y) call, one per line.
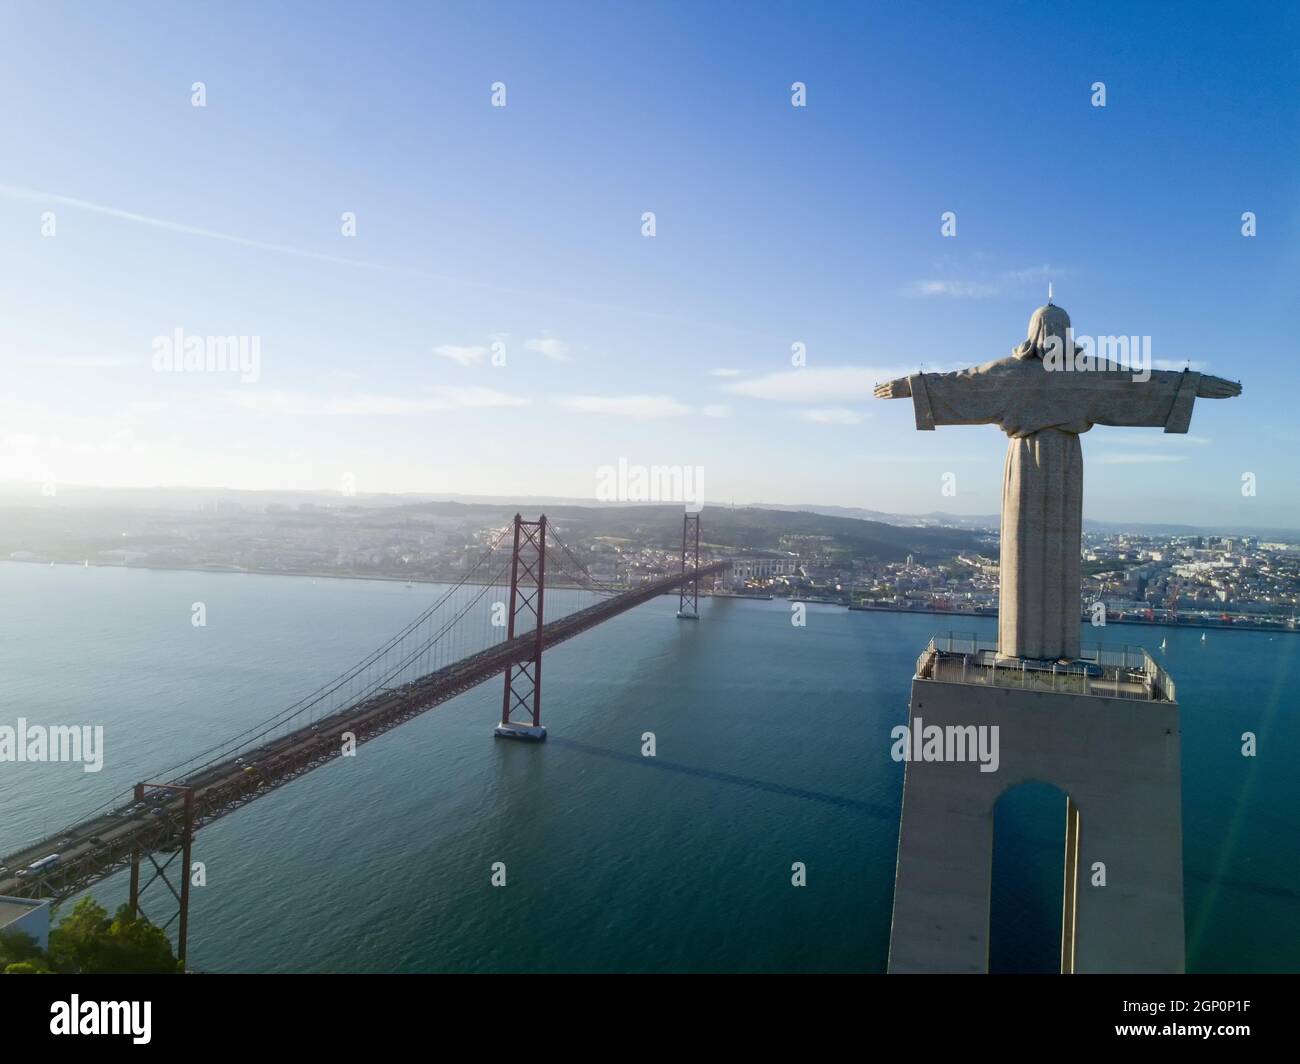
point(523, 679)
point(688, 595)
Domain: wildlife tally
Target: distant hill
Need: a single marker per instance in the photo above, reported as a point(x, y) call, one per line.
point(930, 520)
point(940, 519)
point(740, 529)
point(27, 495)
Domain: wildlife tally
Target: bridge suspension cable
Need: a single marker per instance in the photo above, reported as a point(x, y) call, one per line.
point(430, 643)
point(222, 750)
point(582, 575)
point(316, 697)
point(439, 654)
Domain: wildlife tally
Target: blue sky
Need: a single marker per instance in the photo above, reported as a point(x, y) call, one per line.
point(521, 225)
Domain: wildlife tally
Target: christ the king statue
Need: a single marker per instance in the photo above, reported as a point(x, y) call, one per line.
point(1043, 409)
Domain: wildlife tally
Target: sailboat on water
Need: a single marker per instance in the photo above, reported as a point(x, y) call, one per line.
point(1164, 643)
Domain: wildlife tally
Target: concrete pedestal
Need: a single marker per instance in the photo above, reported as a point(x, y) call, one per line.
point(1118, 759)
point(525, 732)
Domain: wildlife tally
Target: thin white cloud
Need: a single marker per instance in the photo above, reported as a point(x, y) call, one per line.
point(556, 350)
point(465, 356)
point(831, 416)
point(814, 385)
point(724, 373)
point(85, 361)
point(1035, 274)
point(453, 396)
point(1148, 439)
point(638, 406)
point(985, 284)
point(1139, 459)
point(137, 407)
point(959, 289)
point(716, 410)
point(298, 404)
point(947, 458)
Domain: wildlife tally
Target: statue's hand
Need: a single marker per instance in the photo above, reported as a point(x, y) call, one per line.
point(899, 389)
point(1217, 388)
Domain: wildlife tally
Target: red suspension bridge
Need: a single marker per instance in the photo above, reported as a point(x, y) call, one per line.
point(491, 623)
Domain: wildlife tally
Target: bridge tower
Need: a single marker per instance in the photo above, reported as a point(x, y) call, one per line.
point(523, 677)
point(688, 595)
point(168, 842)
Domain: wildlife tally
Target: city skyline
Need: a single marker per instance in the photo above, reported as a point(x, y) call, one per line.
point(775, 226)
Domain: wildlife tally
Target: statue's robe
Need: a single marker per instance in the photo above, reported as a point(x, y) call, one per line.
point(1043, 412)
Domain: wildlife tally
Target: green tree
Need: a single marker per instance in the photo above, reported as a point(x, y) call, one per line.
point(135, 946)
point(87, 940)
point(16, 948)
point(77, 944)
point(25, 968)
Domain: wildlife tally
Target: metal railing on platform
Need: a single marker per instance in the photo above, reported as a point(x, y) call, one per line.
point(1124, 671)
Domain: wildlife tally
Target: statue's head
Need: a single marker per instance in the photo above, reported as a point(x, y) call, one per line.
point(1046, 322)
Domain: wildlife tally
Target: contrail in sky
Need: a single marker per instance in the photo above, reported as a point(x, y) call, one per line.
point(53, 199)
point(29, 195)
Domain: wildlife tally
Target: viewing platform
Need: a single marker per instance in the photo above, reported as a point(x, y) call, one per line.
point(1101, 671)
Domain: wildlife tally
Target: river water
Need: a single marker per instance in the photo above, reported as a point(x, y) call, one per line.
point(772, 747)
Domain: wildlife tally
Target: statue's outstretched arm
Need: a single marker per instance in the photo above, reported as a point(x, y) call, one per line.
point(895, 389)
point(1217, 388)
point(1165, 398)
point(1207, 387)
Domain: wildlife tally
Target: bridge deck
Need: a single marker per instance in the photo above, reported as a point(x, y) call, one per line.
point(96, 848)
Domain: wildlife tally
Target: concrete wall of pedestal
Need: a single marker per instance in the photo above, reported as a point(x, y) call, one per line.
point(1120, 762)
